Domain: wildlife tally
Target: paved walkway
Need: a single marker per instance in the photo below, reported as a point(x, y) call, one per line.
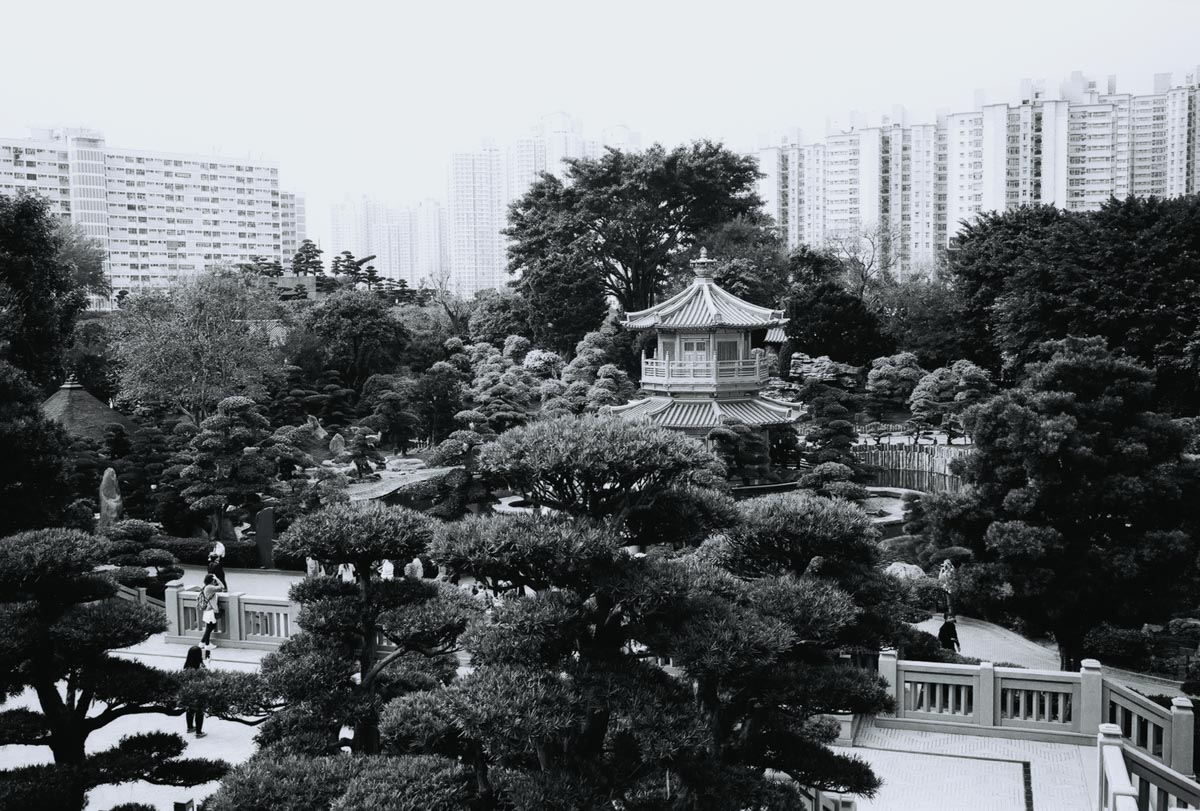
point(933, 771)
point(256, 582)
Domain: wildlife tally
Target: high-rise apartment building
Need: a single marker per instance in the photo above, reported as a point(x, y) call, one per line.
point(483, 184)
point(911, 186)
point(476, 193)
point(408, 243)
point(158, 215)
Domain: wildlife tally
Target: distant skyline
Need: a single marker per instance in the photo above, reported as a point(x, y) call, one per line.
point(372, 99)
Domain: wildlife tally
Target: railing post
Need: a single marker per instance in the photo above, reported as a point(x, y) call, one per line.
point(1182, 729)
point(1091, 687)
point(173, 608)
point(1109, 737)
point(888, 670)
point(233, 622)
point(985, 700)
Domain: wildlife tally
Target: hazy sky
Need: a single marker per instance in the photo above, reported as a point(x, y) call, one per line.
point(353, 97)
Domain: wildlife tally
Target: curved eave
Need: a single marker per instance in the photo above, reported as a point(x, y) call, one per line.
point(696, 415)
point(703, 305)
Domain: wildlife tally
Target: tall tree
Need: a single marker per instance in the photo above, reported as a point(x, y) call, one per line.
point(750, 260)
point(927, 316)
point(359, 334)
point(227, 476)
point(333, 674)
point(1088, 503)
point(307, 260)
point(34, 487)
point(826, 319)
point(39, 296)
point(85, 256)
point(62, 624)
point(624, 216)
point(197, 343)
point(498, 314)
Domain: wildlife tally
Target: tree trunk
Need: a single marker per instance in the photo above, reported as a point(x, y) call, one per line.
point(366, 731)
point(67, 745)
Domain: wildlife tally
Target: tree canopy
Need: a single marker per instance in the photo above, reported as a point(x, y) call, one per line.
point(1080, 497)
point(202, 340)
point(39, 295)
point(621, 218)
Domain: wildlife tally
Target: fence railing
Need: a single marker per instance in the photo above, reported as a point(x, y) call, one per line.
point(262, 623)
point(137, 595)
point(1132, 780)
point(1048, 705)
point(925, 468)
point(703, 371)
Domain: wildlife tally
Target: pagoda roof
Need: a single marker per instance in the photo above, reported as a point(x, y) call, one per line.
point(703, 415)
point(704, 305)
point(81, 413)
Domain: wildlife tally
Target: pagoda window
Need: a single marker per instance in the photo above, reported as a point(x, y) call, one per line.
point(727, 350)
point(695, 351)
point(668, 349)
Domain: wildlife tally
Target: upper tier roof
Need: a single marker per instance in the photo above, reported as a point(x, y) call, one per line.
point(81, 414)
point(704, 305)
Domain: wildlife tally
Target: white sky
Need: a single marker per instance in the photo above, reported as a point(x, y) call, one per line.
point(354, 97)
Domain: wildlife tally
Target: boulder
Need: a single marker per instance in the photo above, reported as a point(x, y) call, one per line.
point(905, 571)
point(337, 445)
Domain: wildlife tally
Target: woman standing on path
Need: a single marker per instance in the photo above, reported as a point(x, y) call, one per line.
point(195, 715)
point(206, 604)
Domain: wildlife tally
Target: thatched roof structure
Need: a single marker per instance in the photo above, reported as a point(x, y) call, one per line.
point(81, 414)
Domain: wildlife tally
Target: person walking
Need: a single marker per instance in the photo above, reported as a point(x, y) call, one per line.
point(195, 715)
point(948, 634)
point(206, 605)
point(216, 564)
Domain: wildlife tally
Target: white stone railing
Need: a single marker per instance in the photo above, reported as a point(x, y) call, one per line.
point(1132, 780)
point(262, 623)
point(1048, 705)
point(749, 370)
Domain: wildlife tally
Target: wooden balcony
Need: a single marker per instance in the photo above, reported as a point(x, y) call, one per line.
point(685, 375)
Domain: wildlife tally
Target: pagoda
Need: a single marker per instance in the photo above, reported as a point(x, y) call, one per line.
point(702, 371)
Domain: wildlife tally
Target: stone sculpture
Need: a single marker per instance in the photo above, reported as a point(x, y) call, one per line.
point(111, 506)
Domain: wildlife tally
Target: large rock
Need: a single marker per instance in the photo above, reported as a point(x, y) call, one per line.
point(111, 505)
point(905, 571)
point(337, 445)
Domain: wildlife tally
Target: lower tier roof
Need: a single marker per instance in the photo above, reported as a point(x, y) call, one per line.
point(694, 415)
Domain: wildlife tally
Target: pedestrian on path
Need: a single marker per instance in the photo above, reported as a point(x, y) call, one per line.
point(206, 604)
point(948, 634)
point(216, 564)
point(195, 715)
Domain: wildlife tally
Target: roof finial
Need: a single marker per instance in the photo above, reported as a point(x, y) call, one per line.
point(703, 267)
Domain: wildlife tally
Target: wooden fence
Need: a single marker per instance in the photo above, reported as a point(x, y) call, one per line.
point(914, 467)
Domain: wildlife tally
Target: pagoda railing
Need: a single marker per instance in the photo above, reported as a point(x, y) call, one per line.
point(751, 370)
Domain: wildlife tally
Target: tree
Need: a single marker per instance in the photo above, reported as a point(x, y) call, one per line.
point(604, 467)
point(39, 297)
point(333, 673)
point(743, 449)
point(1085, 502)
point(750, 260)
point(825, 319)
point(867, 256)
point(227, 476)
point(810, 266)
point(941, 396)
point(34, 486)
point(892, 379)
point(927, 316)
point(193, 345)
point(307, 260)
point(359, 335)
point(62, 624)
point(624, 216)
point(85, 256)
point(566, 707)
point(428, 328)
point(498, 314)
point(92, 359)
point(831, 433)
